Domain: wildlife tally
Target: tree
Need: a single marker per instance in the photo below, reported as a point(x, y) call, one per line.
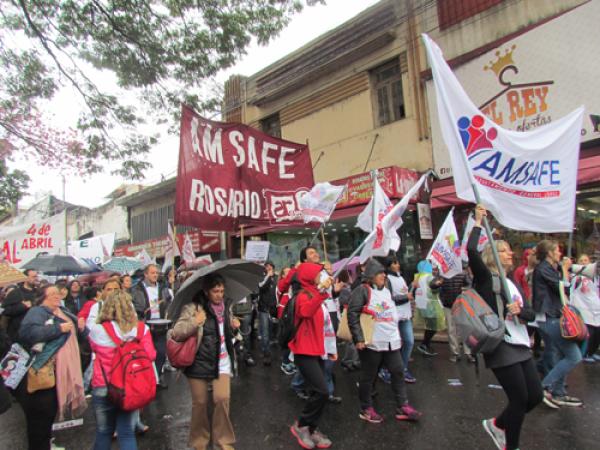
point(159, 52)
point(12, 188)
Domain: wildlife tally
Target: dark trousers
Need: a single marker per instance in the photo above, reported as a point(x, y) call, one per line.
point(370, 362)
point(40, 409)
point(523, 388)
point(335, 321)
point(312, 369)
point(428, 336)
point(159, 337)
point(593, 341)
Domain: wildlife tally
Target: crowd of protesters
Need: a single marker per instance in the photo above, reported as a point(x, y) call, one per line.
point(365, 322)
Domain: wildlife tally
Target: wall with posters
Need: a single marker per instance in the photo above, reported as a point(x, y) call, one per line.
point(533, 79)
point(22, 243)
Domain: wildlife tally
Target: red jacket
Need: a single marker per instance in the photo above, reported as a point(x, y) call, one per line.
point(85, 309)
point(309, 339)
point(519, 275)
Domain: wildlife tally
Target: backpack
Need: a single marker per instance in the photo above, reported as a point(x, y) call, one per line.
point(131, 382)
point(287, 323)
point(480, 328)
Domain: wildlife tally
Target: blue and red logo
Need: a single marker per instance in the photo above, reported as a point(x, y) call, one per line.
point(495, 169)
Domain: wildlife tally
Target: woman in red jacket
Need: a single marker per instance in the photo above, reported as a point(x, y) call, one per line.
point(308, 347)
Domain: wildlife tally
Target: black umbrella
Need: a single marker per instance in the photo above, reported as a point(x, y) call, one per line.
point(241, 279)
point(58, 265)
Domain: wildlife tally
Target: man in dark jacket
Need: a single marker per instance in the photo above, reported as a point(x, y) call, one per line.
point(267, 304)
point(18, 302)
point(449, 290)
point(151, 302)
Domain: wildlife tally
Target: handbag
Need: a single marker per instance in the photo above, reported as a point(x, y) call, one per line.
point(366, 323)
point(182, 354)
point(572, 326)
point(44, 378)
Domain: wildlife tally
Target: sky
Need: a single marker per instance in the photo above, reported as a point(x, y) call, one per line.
point(91, 190)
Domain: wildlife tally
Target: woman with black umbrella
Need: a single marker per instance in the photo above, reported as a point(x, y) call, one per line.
point(207, 316)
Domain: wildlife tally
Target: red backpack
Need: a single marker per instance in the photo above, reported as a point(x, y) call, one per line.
point(131, 382)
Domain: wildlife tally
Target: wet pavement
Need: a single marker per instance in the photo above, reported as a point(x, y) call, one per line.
point(263, 407)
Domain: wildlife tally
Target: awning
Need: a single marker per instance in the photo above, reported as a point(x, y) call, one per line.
point(443, 194)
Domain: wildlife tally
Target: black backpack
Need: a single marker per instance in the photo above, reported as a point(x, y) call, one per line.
point(287, 323)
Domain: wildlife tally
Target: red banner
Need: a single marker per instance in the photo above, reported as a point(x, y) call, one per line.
point(231, 174)
point(202, 242)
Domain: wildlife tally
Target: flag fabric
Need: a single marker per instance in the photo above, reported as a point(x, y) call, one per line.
point(144, 258)
point(318, 204)
point(188, 250)
point(382, 204)
point(445, 251)
point(385, 238)
point(172, 249)
point(483, 239)
point(526, 179)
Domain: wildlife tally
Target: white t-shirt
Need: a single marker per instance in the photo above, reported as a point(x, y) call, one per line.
point(399, 287)
point(385, 329)
point(328, 334)
point(224, 361)
point(518, 331)
point(332, 304)
point(153, 299)
point(584, 297)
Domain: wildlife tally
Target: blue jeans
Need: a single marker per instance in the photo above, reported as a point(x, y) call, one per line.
point(264, 329)
point(408, 340)
point(109, 418)
point(567, 356)
point(298, 382)
point(329, 375)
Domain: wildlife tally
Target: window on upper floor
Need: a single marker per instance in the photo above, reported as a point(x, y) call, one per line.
point(388, 98)
point(271, 125)
point(451, 12)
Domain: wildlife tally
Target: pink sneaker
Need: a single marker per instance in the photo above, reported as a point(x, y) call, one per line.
point(370, 415)
point(407, 412)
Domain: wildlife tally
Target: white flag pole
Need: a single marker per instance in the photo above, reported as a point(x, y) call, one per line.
point(374, 212)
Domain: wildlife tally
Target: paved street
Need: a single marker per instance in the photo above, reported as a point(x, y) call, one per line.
point(263, 407)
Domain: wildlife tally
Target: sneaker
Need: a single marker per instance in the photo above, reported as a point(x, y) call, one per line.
point(497, 435)
point(596, 357)
point(454, 358)
point(334, 399)
point(408, 377)
point(407, 412)
point(302, 434)
point(549, 400)
point(385, 375)
point(427, 351)
point(288, 369)
point(53, 446)
point(471, 359)
point(370, 415)
point(320, 440)
point(565, 400)
point(302, 395)
point(589, 360)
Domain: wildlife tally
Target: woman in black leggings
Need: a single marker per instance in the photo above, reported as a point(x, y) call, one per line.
point(511, 361)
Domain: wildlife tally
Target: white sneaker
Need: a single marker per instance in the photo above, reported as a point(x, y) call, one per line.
point(497, 435)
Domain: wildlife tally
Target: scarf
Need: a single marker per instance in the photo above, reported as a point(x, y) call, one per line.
point(219, 310)
point(69, 382)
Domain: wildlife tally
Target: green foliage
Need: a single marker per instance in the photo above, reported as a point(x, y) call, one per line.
point(160, 51)
point(12, 187)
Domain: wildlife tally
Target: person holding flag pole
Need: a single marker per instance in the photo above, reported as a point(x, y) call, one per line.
point(520, 177)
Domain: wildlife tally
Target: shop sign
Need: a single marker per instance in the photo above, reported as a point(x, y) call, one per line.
point(202, 241)
point(532, 80)
point(425, 226)
point(395, 181)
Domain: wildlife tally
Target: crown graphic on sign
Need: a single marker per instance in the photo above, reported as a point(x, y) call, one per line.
point(502, 61)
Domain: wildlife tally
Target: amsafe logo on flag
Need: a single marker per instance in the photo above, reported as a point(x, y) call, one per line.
point(283, 206)
point(497, 170)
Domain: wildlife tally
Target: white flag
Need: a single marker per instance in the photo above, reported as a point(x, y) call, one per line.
point(445, 251)
point(483, 239)
point(172, 249)
point(382, 204)
point(144, 257)
point(318, 204)
point(381, 240)
point(188, 250)
point(526, 179)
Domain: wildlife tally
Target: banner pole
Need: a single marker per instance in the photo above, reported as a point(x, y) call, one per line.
point(374, 212)
point(312, 241)
point(354, 253)
point(324, 244)
point(241, 241)
point(570, 245)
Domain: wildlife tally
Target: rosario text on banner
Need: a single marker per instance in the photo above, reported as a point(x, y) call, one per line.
point(231, 174)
